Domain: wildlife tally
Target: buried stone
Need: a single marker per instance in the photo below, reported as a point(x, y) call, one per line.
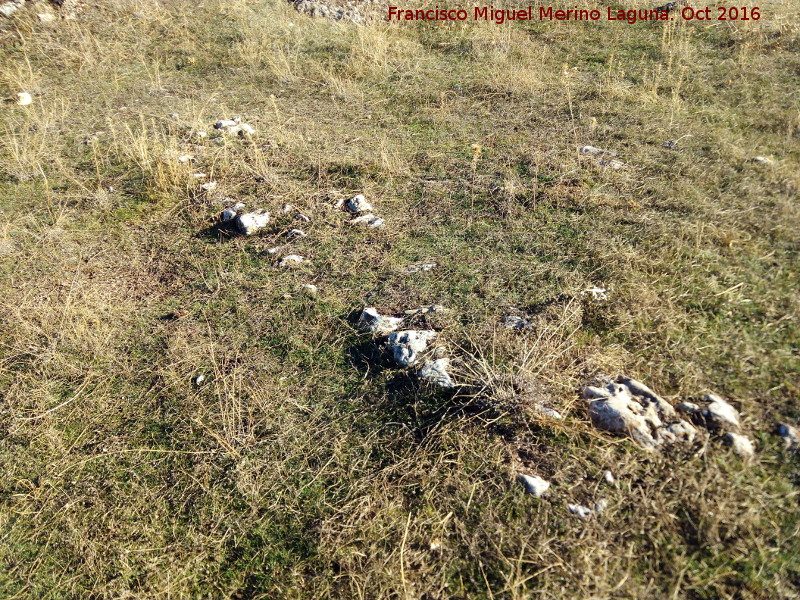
point(419, 267)
point(790, 435)
point(435, 372)
point(741, 446)
point(250, 223)
point(376, 323)
point(407, 345)
point(592, 151)
point(629, 407)
point(291, 260)
point(230, 213)
point(579, 510)
point(720, 414)
point(515, 322)
point(368, 220)
point(358, 204)
point(534, 484)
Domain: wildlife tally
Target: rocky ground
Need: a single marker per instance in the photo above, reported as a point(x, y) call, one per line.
point(355, 11)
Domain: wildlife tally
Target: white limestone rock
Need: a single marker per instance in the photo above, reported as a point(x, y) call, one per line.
point(250, 223)
point(534, 484)
point(377, 324)
point(420, 267)
point(9, 8)
point(234, 126)
point(227, 215)
point(637, 388)
point(629, 407)
point(790, 435)
point(358, 204)
point(688, 408)
point(680, 431)
point(741, 446)
point(295, 233)
point(310, 290)
point(593, 151)
point(242, 130)
point(435, 372)
point(209, 186)
point(609, 477)
point(367, 220)
point(613, 409)
point(515, 322)
point(598, 294)
point(227, 123)
point(579, 510)
point(407, 345)
point(600, 505)
point(24, 99)
point(290, 260)
point(720, 414)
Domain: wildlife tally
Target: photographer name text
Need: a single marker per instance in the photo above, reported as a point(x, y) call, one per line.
point(548, 13)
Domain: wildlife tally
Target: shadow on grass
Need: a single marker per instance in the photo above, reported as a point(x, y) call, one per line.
point(219, 232)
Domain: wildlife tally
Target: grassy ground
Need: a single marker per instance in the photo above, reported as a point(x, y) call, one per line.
point(306, 466)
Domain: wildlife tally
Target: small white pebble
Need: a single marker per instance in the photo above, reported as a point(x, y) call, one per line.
point(210, 186)
point(609, 477)
point(242, 130)
point(358, 204)
point(199, 379)
point(534, 485)
point(369, 220)
point(598, 294)
point(579, 510)
point(291, 259)
point(24, 99)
